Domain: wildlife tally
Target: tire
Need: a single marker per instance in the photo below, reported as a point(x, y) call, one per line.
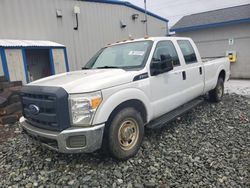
point(125, 133)
point(217, 93)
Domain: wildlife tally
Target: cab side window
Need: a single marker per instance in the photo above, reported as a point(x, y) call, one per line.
point(187, 51)
point(166, 48)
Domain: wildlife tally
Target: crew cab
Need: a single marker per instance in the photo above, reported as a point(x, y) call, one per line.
point(124, 88)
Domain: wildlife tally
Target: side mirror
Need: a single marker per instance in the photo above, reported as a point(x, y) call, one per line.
point(164, 65)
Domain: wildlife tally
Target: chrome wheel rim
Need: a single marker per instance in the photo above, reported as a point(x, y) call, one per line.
point(128, 134)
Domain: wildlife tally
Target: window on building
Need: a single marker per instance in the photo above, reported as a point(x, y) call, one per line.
point(187, 51)
point(166, 48)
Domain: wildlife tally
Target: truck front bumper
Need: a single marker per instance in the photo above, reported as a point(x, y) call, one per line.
point(71, 140)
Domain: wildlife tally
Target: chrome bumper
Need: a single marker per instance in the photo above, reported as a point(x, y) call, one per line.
point(58, 140)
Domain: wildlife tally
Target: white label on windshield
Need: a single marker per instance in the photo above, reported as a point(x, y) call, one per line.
point(140, 53)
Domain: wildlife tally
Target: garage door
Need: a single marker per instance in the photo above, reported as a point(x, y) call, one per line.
point(14, 59)
point(59, 60)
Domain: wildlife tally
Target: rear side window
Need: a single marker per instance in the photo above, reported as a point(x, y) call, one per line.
point(166, 48)
point(187, 51)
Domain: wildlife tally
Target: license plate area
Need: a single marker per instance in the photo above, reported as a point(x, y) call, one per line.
point(42, 140)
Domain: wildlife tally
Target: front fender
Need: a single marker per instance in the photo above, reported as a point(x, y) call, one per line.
point(112, 101)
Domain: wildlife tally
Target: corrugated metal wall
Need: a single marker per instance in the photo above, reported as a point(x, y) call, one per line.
point(99, 24)
point(215, 42)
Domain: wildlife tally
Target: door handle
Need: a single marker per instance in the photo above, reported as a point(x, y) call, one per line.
point(200, 68)
point(184, 75)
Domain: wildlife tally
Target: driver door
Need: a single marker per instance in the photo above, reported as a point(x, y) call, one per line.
point(166, 88)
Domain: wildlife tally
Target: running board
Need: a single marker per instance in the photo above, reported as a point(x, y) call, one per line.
point(162, 120)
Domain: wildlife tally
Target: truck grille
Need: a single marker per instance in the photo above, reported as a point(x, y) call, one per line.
point(46, 107)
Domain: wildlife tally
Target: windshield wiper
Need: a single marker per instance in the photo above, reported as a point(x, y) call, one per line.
point(107, 67)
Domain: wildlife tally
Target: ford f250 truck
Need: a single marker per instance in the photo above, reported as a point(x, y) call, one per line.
point(124, 88)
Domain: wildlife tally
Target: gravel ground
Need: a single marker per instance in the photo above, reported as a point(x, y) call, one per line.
point(7, 131)
point(207, 147)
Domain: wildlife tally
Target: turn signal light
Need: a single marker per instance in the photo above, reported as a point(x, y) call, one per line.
point(96, 102)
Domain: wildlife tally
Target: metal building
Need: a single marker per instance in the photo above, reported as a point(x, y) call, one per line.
point(29, 60)
point(219, 33)
point(82, 26)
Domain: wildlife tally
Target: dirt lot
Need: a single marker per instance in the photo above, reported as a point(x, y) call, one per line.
point(207, 147)
point(240, 87)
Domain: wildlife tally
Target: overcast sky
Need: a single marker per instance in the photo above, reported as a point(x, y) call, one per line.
point(173, 10)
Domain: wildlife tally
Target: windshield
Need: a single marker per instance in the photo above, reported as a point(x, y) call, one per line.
point(127, 55)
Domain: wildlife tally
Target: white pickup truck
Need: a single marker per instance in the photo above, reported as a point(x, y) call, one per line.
point(124, 88)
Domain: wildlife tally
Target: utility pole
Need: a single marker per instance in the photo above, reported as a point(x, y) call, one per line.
point(146, 18)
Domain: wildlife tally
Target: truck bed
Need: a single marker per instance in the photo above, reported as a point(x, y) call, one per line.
point(211, 66)
point(205, 59)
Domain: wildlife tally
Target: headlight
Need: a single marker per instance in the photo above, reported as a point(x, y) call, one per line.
point(83, 107)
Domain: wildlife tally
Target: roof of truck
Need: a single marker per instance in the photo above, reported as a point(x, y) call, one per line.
point(148, 38)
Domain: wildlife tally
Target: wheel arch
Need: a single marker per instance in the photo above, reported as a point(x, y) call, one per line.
point(134, 103)
point(222, 75)
point(124, 98)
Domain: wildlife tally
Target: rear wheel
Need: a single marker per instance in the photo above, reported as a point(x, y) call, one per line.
point(125, 133)
point(217, 93)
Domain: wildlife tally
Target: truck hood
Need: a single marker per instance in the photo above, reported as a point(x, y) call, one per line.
point(87, 80)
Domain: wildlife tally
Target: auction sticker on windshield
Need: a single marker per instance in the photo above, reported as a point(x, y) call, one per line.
point(140, 53)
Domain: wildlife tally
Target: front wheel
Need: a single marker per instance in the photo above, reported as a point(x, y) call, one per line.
point(125, 133)
point(217, 93)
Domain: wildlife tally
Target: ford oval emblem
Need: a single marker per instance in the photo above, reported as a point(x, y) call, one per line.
point(34, 109)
